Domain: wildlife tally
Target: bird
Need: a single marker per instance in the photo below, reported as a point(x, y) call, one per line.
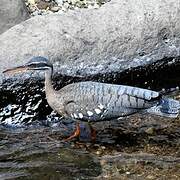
point(91, 101)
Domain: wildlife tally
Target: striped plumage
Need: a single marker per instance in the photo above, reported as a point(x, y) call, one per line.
point(93, 101)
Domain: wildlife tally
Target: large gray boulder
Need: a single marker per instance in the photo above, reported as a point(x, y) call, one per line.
point(12, 12)
point(120, 35)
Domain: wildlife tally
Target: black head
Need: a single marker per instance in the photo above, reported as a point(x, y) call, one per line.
point(38, 63)
point(35, 63)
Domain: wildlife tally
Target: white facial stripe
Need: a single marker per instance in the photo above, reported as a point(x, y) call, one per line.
point(37, 62)
point(89, 113)
point(98, 111)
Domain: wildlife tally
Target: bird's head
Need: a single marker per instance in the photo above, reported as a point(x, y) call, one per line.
point(35, 63)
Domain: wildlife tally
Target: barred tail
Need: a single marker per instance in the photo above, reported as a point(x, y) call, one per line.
point(166, 107)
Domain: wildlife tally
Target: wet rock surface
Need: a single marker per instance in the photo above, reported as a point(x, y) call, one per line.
point(35, 155)
point(140, 166)
point(40, 152)
point(12, 12)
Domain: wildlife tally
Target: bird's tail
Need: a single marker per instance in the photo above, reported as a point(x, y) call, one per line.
point(166, 107)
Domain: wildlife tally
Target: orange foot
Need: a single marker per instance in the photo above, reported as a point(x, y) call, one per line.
point(75, 134)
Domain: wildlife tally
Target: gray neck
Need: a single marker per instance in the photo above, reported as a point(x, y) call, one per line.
point(48, 81)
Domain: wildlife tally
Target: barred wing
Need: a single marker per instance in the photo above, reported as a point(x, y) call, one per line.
point(97, 101)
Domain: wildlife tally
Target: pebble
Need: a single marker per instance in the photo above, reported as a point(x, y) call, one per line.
point(150, 177)
point(44, 7)
point(103, 147)
point(55, 9)
point(98, 152)
point(150, 131)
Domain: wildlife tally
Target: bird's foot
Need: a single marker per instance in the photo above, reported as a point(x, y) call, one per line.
point(75, 134)
point(84, 131)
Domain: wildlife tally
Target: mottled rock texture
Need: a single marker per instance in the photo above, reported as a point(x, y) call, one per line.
point(12, 12)
point(115, 37)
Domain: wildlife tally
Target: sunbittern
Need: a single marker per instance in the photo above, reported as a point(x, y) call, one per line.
point(94, 101)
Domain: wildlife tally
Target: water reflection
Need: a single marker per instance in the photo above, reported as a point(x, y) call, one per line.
point(35, 154)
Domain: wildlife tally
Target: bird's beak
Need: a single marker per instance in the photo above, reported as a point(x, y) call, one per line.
point(16, 70)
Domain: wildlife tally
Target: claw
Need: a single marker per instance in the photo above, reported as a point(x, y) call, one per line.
point(78, 131)
point(75, 134)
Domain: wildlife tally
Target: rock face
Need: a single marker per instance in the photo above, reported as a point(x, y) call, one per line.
point(119, 35)
point(12, 12)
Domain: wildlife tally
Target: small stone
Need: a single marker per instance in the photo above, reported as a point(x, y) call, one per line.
point(55, 9)
point(42, 5)
point(150, 177)
point(98, 152)
point(103, 147)
point(96, 6)
point(150, 130)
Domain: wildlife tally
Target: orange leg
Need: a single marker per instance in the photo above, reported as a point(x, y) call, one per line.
point(93, 133)
point(75, 134)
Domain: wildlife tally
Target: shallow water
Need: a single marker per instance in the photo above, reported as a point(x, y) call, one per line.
point(32, 143)
point(34, 155)
point(40, 152)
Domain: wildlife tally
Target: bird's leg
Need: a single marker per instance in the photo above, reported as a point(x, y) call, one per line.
point(87, 132)
point(93, 133)
point(75, 134)
point(83, 130)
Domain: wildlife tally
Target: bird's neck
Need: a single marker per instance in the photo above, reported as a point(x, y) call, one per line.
point(48, 81)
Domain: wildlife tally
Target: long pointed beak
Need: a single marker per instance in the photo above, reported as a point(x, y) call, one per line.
point(16, 70)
